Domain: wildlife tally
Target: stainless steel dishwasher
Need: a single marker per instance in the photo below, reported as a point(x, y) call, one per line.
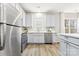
point(48, 37)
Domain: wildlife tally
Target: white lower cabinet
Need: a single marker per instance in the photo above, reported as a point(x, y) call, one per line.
point(30, 38)
point(69, 46)
point(74, 40)
point(42, 38)
point(35, 38)
point(73, 50)
point(55, 38)
point(63, 48)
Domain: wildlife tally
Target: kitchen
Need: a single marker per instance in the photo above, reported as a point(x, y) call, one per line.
point(39, 29)
point(46, 27)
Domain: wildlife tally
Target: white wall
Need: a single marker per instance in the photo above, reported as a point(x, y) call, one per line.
point(62, 23)
point(57, 24)
point(78, 24)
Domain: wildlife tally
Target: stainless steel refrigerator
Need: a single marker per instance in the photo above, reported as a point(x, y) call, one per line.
point(10, 31)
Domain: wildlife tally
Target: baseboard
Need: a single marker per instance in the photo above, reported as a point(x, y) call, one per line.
point(56, 43)
point(36, 43)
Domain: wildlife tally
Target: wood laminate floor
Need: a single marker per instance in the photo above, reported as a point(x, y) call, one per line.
point(41, 50)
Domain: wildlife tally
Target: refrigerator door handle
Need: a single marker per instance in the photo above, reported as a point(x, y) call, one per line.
point(10, 24)
point(13, 25)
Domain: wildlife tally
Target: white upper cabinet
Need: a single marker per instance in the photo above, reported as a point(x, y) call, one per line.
point(50, 20)
point(28, 20)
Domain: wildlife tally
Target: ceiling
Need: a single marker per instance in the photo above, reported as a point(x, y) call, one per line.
point(50, 7)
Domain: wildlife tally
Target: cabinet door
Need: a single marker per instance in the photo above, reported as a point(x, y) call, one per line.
point(74, 40)
point(41, 38)
point(63, 48)
point(55, 38)
point(73, 50)
point(30, 38)
point(36, 38)
point(50, 20)
point(28, 20)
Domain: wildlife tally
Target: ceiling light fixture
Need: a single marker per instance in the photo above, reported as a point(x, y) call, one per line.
point(38, 6)
point(38, 14)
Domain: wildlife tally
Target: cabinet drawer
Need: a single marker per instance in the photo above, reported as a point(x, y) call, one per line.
point(74, 40)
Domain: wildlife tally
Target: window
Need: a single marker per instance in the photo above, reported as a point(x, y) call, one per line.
point(66, 26)
point(70, 25)
point(38, 22)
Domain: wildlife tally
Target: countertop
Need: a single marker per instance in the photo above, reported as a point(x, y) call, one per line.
point(41, 32)
point(75, 35)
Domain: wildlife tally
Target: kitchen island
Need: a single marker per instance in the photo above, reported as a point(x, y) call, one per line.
point(69, 44)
